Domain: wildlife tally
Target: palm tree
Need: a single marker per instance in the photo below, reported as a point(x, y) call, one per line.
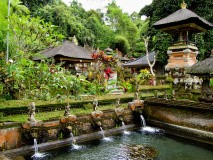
point(18, 8)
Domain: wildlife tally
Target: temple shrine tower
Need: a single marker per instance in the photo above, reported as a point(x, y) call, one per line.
point(182, 25)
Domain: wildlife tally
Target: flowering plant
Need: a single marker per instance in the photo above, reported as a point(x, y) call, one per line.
point(108, 73)
point(126, 85)
point(102, 58)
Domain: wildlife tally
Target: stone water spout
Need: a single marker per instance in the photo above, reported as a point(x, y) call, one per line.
point(119, 111)
point(67, 116)
point(31, 121)
point(96, 115)
point(136, 102)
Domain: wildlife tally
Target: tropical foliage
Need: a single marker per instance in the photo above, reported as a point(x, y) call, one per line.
point(30, 35)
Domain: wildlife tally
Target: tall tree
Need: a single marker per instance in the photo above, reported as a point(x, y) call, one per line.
point(121, 23)
point(31, 35)
point(146, 40)
point(3, 30)
point(34, 5)
point(18, 8)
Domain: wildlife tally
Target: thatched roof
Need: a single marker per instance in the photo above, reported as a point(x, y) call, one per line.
point(67, 49)
point(141, 61)
point(182, 16)
point(204, 67)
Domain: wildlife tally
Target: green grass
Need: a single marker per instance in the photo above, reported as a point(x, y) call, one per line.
point(26, 103)
point(58, 114)
point(148, 87)
point(144, 95)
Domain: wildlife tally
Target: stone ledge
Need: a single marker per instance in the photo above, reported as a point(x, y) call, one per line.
point(185, 132)
point(179, 104)
point(64, 142)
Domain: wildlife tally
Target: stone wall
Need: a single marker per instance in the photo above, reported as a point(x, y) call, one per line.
point(46, 131)
point(184, 113)
point(10, 138)
point(183, 118)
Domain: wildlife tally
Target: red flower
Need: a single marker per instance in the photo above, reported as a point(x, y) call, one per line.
point(108, 72)
point(151, 82)
point(125, 89)
point(77, 75)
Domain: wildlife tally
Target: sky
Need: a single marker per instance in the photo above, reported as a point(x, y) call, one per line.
point(128, 6)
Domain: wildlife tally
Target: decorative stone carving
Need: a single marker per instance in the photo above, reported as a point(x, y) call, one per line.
point(118, 110)
point(118, 103)
point(176, 74)
point(137, 94)
point(95, 105)
point(176, 81)
point(131, 105)
point(96, 115)
point(165, 95)
point(169, 52)
point(186, 60)
point(173, 94)
point(67, 109)
point(187, 51)
point(67, 116)
point(31, 112)
point(188, 83)
point(178, 57)
point(156, 94)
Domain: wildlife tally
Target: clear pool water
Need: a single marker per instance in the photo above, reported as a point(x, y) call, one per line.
point(169, 147)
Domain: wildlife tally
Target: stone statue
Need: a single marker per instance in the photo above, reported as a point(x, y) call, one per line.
point(118, 103)
point(95, 104)
point(137, 94)
point(173, 94)
point(67, 110)
point(165, 95)
point(156, 94)
point(32, 112)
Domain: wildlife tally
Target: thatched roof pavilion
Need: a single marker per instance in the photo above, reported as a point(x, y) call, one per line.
point(203, 68)
point(73, 56)
point(141, 61)
point(67, 51)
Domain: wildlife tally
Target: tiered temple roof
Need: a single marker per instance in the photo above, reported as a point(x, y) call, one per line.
point(183, 17)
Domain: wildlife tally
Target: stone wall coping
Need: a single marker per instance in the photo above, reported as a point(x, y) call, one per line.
point(185, 132)
point(179, 103)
